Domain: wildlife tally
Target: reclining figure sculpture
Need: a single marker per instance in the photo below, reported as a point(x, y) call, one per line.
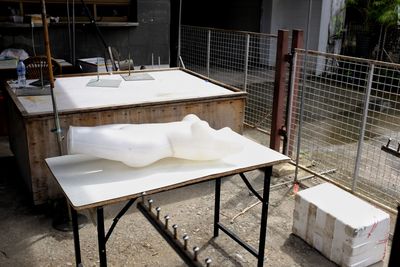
point(138, 145)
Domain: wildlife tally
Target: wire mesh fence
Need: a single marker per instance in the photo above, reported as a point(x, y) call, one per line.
point(244, 60)
point(351, 107)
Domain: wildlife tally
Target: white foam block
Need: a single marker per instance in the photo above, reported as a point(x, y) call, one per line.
point(344, 228)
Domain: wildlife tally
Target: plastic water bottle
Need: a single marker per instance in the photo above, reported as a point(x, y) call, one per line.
point(21, 74)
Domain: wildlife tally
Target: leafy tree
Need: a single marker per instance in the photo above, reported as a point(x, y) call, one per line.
point(384, 13)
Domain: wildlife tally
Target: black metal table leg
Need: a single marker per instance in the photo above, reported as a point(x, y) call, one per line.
point(264, 215)
point(217, 205)
point(101, 237)
point(75, 229)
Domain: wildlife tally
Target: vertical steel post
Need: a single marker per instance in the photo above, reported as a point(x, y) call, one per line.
point(279, 89)
point(208, 52)
point(293, 92)
point(363, 125)
point(246, 61)
point(179, 31)
point(101, 238)
point(264, 215)
point(217, 205)
point(75, 229)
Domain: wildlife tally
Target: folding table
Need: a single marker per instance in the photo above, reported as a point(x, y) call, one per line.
point(90, 182)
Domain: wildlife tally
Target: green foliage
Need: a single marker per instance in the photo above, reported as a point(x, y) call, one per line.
point(383, 12)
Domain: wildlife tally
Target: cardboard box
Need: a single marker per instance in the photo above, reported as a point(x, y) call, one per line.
point(344, 228)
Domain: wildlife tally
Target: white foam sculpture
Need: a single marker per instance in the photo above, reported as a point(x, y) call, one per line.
point(138, 145)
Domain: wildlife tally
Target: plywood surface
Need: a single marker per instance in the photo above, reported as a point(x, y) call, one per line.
point(89, 181)
point(72, 93)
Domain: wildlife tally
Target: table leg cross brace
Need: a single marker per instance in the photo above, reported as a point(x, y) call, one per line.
point(264, 214)
point(250, 187)
point(119, 215)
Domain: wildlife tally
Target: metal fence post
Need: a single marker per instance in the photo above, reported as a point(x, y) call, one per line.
point(363, 124)
point(279, 90)
point(246, 61)
point(297, 42)
point(208, 52)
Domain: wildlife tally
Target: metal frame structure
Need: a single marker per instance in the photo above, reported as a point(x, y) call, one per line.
point(103, 237)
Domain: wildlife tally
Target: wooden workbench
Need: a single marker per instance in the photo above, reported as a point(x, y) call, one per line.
point(172, 94)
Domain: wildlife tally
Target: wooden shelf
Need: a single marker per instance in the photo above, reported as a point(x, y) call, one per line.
point(100, 24)
point(116, 11)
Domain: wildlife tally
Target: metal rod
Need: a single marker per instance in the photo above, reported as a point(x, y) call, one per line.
point(363, 125)
point(98, 75)
point(51, 79)
point(391, 151)
point(101, 238)
point(75, 229)
point(246, 62)
point(264, 215)
point(208, 52)
point(69, 32)
point(290, 99)
point(302, 178)
point(129, 64)
point(179, 31)
point(238, 240)
point(73, 34)
point(119, 215)
point(250, 187)
point(99, 34)
point(168, 236)
point(299, 132)
point(217, 205)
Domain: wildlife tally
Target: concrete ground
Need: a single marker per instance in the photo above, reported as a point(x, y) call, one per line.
point(27, 237)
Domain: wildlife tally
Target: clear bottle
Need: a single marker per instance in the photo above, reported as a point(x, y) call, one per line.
point(21, 71)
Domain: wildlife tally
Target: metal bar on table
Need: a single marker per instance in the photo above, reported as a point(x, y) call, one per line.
point(250, 187)
point(217, 205)
point(363, 125)
point(75, 228)
point(264, 215)
point(119, 215)
point(180, 249)
point(101, 237)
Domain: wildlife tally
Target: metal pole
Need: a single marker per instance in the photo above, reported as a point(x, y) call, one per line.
point(279, 90)
point(296, 173)
point(217, 205)
point(246, 61)
point(73, 35)
point(179, 31)
point(264, 216)
point(290, 101)
point(208, 52)
point(51, 78)
point(363, 125)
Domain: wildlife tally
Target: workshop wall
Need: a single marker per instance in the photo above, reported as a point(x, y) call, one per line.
point(151, 36)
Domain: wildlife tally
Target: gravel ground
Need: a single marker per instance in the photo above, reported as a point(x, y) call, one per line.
point(27, 237)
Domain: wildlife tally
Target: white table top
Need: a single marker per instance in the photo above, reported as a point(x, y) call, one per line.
point(72, 94)
point(89, 182)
